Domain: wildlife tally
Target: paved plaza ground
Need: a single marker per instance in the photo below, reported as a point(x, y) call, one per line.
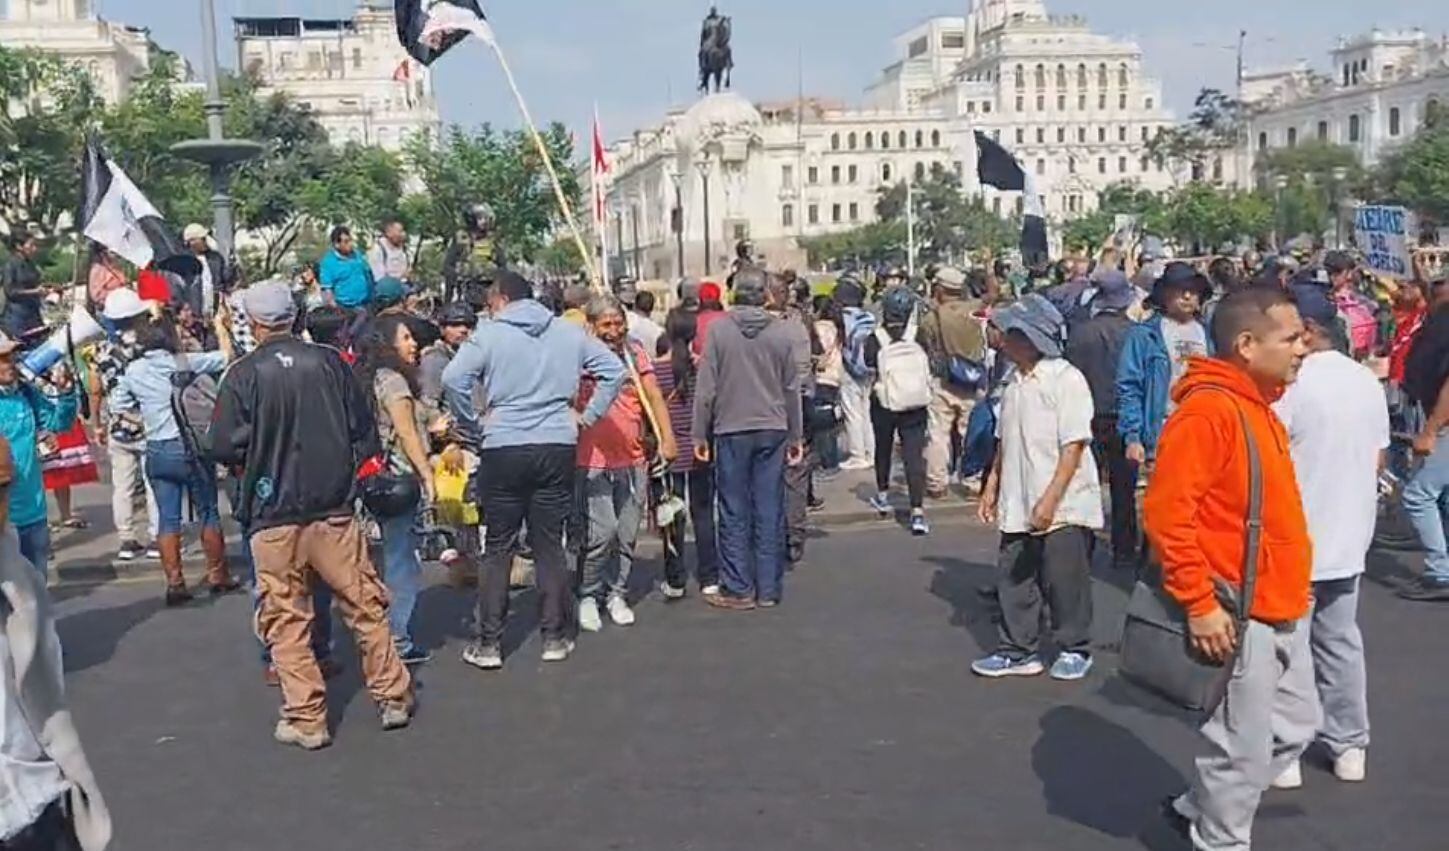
point(845, 719)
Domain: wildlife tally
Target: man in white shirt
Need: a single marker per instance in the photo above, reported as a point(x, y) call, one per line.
point(1338, 421)
point(389, 255)
point(642, 327)
point(1044, 495)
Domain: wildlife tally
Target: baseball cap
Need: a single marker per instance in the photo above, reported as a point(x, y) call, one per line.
point(124, 304)
point(951, 279)
point(388, 292)
point(195, 231)
point(270, 303)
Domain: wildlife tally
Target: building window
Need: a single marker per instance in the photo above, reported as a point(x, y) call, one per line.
point(1122, 101)
point(835, 174)
point(1082, 76)
point(935, 138)
point(970, 107)
point(787, 176)
point(1355, 129)
point(1146, 134)
point(986, 106)
point(835, 213)
point(885, 141)
point(1263, 141)
point(901, 139)
point(1020, 103)
point(1292, 137)
point(812, 214)
point(1101, 165)
point(1122, 76)
point(1074, 203)
point(1061, 135)
point(1218, 170)
point(1041, 135)
point(1394, 122)
point(1020, 74)
point(1061, 76)
point(787, 215)
point(1121, 165)
point(852, 174)
point(885, 172)
point(356, 58)
point(869, 141)
point(813, 175)
point(1323, 131)
point(1101, 101)
point(1040, 77)
point(1082, 103)
point(996, 205)
point(996, 135)
point(1102, 76)
point(850, 141)
point(1122, 133)
point(1149, 103)
point(1041, 103)
point(953, 41)
point(1145, 165)
point(1041, 166)
point(1101, 134)
point(1081, 135)
point(920, 139)
point(1021, 136)
point(854, 212)
point(920, 172)
point(1071, 165)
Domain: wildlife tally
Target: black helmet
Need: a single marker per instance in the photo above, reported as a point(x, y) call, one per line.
point(387, 495)
point(457, 313)
point(477, 217)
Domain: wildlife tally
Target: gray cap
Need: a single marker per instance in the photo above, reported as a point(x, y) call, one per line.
point(270, 303)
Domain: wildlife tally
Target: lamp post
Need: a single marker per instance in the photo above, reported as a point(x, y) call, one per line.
point(676, 218)
point(704, 169)
point(619, 238)
point(216, 151)
point(1280, 183)
point(634, 216)
point(1340, 177)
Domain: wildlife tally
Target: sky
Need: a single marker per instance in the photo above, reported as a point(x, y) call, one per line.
point(636, 58)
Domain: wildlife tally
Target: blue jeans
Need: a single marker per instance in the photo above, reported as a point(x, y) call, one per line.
point(749, 475)
point(1425, 503)
point(172, 475)
point(402, 573)
point(321, 607)
point(35, 544)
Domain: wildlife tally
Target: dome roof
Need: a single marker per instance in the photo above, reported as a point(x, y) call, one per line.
point(722, 114)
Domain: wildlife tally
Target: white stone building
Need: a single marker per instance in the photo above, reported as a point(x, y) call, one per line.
point(113, 54)
point(1377, 95)
point(351, 73)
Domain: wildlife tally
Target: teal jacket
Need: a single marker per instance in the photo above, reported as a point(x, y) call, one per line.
point(24, 413)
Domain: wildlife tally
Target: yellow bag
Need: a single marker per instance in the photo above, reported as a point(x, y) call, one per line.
point(451, 509)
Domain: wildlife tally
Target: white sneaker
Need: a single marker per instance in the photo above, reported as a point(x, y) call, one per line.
point(1291, 778)
point(589, 619)
point(670, 592)
point(852, 464)
point(709, 590)
point(1351, 765)
point(619, 611)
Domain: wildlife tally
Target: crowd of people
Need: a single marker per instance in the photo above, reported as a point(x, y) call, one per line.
point(1123, 394)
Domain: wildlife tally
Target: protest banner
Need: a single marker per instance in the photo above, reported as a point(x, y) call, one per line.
point(1385, 235)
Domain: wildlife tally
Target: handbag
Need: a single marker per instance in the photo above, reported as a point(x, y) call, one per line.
point(822, 409)
point(1157, 650)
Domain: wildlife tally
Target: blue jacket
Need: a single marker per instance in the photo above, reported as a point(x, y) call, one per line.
point(1144, 377)
point(24, 412)
point(528, 364)
point(349, 278)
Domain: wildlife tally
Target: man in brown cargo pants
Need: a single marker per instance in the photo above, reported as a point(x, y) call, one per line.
point(297, 487)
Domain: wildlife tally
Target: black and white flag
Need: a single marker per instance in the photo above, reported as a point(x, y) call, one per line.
point(116, 214)
point(430, 28)
point(996, 167)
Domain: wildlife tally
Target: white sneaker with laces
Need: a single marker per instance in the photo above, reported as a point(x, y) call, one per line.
point(1291, 778)
point(619, 611)
point(589, 619)
point(1351, 766)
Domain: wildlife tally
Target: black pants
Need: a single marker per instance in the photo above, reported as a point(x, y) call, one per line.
point(797, 499)
point(697, 486)
point(1055, 568)
point(533, 483)
point(911, 426)
point(1111, 453)
point(51, 832)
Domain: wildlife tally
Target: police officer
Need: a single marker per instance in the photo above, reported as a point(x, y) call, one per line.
point(473, 260)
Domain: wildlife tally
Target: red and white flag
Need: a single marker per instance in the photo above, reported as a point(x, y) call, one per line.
point(602, 170)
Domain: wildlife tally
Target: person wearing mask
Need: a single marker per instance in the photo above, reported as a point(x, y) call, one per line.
point(1196, 516)
point(688, 477)
point(1094, 347)
point(20, 278)
point(388, 257)
point(1426, 384)
point(950, 331)
point(613, 483)
point(526, 364)
point(146, 389)
point(1338, 420)
point(123, 436)
point(214, 277)
point(1155, 357)
point(747, 416)
point(292, 417)
point(899, 402)
point(344, 275)
point(855, 386)
point(51, 800)
point(388, 368)
point(1044, 495)
point(642, 327)
point(25, 414)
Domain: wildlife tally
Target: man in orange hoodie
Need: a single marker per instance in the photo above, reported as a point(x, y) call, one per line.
point(1196, 514)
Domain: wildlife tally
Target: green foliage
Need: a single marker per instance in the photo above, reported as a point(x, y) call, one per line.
point(1090, 232)
point(948, 223)
point(560, 258)
point(868, 245)
point(1417, 175)
point(1202, 219)
point(1214, 127)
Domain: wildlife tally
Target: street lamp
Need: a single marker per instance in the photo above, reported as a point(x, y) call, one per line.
point(1280, 183)
point(704, 167)
point(676, 218)
point(216, 151)
point(1340, 177)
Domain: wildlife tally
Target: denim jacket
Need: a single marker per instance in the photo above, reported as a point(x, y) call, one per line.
point(146, 388)
point(24, 413)
point(1144, 377)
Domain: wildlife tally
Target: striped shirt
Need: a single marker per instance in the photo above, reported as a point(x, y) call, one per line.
point(681, 412)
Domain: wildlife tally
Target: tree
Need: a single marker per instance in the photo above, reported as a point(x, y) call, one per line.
point(948, 222)
point(868, 245)
point(1202, 218)
point(1091, 231)
point(1215, 126)
point(358, 185)
point(139, 133)
point(1417, 175)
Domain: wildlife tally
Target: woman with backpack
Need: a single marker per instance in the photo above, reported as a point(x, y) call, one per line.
point(827, 332)
point(174, 465)
point(388, 372)
point(899, 402)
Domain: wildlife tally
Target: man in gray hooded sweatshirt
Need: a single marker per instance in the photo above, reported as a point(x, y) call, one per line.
point(747, 408)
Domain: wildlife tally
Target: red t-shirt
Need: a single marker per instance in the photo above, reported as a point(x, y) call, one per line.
point(1408, 325)
point(153, 286)
point(617, 441)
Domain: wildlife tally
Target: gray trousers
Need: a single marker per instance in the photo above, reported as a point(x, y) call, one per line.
point(613, 502)
point(1338, 665)
point(1055, 569)
point(1269, 717)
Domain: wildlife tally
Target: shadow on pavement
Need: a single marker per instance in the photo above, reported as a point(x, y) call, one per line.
point(90, 637)
point(961, 583)
point(1098, 774)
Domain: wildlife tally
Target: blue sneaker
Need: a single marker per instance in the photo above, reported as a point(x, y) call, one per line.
point(1071, 666)
point(999, 665)
point(882, 504)
point(919, 525)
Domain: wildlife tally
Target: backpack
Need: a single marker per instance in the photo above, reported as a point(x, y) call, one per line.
point(859, 324)
point(193, 404)
point(904, 374)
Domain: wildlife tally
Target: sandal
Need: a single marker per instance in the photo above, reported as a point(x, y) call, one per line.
point(74, 523)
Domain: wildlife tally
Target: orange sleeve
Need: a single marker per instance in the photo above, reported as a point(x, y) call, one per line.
point(1190, 457)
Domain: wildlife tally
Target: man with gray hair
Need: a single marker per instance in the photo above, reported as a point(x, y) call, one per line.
point(747, 412)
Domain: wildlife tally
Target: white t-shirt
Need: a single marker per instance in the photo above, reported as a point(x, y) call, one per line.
point(1184, 340)
point(644, 331)
point(1042, 412)
point(1338, 422)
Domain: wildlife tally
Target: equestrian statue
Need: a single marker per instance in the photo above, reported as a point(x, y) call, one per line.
point(716, 61)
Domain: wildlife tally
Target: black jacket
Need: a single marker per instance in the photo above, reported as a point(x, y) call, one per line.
point(223, 279)
point(1094, 346)
point(1428, 365)
point(297, 422)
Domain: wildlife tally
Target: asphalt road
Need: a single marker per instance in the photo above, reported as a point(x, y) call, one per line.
point(845, 719)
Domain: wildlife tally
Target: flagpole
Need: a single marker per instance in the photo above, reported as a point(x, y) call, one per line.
point(910, 224)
